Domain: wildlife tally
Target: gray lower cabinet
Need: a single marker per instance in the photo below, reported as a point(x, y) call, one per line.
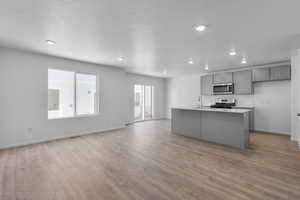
point(251, 116)
point(242, 82)
point(225, 77)
point(206, 85)
point(226, 128)
point(186, 122)
point(261, 74)
point(280, 73)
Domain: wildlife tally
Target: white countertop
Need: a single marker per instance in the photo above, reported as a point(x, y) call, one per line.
point(208, 109)
point(244, 107)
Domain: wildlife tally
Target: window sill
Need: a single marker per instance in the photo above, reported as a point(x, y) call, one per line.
point(76, 117)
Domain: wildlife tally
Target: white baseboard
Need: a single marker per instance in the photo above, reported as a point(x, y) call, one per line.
point(153, 119)
point(161, 118)
point(57, 138)
point(293, 138)
point(270, 132)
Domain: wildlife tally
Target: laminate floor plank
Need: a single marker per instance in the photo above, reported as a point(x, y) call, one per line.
point(145, 161)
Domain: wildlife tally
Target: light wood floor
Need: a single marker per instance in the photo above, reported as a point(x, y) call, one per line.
point(146, 161)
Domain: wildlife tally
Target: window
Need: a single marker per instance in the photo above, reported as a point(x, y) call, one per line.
point(71, 94)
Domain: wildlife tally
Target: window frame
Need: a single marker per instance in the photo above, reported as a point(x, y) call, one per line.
point(75, 115)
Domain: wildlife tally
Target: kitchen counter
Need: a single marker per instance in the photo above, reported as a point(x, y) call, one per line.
point(246, 107)
point(224, 126)
point(208, 109)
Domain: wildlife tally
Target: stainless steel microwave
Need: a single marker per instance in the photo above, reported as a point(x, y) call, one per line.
point(223, 88)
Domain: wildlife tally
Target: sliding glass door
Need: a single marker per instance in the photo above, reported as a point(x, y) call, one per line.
point(148, 102)
point(143, 102)
point(138, 102)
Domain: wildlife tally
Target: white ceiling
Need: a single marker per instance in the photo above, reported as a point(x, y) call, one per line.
point(154, 35)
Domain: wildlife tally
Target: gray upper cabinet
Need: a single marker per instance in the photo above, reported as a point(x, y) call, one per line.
point(261, 74)
point(280, 73)
point(225, 77)
point(242, 82)
point(206, 85)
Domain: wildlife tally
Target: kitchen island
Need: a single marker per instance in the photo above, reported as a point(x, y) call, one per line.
point(224, 126)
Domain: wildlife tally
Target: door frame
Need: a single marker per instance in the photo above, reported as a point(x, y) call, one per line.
point(143, 97)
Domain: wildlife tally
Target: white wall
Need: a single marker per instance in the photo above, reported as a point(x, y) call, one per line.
point(295, 100)
point(271, 101)
point(272, 106)
point(182, 91)
point(159, 95)
point(24, 91)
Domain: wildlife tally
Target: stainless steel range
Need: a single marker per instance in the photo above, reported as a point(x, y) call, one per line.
point(224, 103)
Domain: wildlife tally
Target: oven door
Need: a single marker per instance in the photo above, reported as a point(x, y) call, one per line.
point(223, 88)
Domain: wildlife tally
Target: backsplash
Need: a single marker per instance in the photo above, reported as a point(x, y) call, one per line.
point(241, 100)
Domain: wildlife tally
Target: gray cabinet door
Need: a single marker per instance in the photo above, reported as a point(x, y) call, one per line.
point(206, 85)
point(281, 73)
point(242, 82)
point(186, 122)
point(191, 124)
point(261, 74)
point(225, 77)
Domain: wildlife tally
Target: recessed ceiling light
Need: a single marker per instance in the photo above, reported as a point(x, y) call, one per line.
point(191, 62)
point(50, 42)
point(120, 59)
point(206, 67)
point(244, 61)
point(200, 28)
point(232, 53)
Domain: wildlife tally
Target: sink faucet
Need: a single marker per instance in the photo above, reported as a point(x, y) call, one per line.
point(200, 101)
